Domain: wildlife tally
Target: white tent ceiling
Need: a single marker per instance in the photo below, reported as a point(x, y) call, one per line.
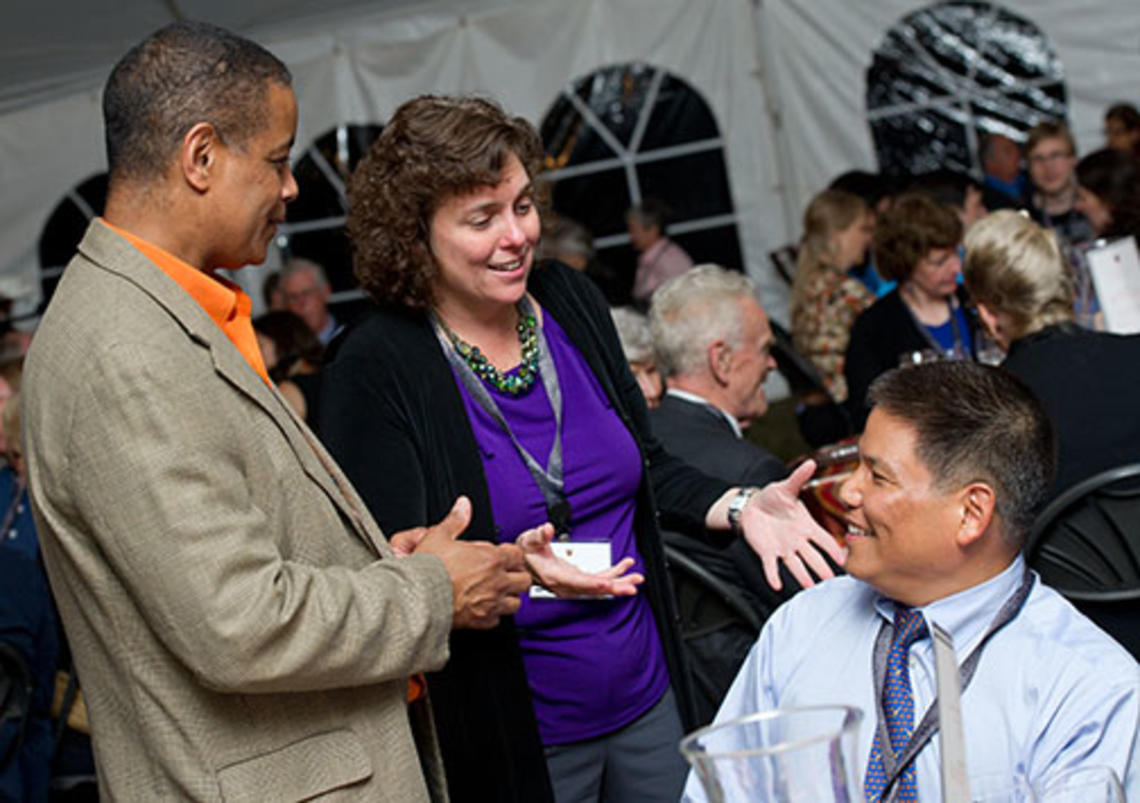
point(784, 79)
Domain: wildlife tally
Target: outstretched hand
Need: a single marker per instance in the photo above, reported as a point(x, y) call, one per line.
point(778, 527)
point(565, 579)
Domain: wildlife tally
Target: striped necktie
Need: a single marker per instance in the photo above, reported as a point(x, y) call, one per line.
point(898, 709)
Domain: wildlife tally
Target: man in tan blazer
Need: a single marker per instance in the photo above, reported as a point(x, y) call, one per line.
point(240, 625)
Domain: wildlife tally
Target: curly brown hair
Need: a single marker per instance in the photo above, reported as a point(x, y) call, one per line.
point(912, 228)
point(433, 149)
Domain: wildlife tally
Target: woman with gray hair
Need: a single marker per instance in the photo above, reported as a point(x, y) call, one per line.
point(637, 345)
point(1016, 273)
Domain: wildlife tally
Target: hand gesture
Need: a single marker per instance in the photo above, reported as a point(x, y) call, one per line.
point(486, 579)
point(778, 527)
point(565, 579)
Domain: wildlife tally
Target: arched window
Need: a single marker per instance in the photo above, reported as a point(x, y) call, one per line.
point(633, 131)
point(314, 227)
point(65, 227)
point(947, 74)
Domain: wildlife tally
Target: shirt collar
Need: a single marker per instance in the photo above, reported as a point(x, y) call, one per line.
point(966, 615)
point(685, 395)
point(222, 300)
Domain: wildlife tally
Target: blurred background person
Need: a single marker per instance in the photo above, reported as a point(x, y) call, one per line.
point(640, 352)
point(293, 357)
point(271, 293)
point(1018, 277)
point(1052, 157)
point(658, 257)
point(916, 244)
point(826, 299)
point(1109, 193)
point(878, 191)
point(571, 243)
point(1006, 184)
point(956, 190)
point(1122, 128)
point(306, 290)
point(481, 374)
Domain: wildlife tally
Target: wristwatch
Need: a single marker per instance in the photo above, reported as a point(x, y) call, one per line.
point(736, 507)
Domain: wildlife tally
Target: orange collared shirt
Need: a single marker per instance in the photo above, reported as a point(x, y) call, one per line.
point(226, 304)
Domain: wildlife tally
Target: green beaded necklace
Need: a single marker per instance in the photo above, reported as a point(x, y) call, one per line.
point(513, 385)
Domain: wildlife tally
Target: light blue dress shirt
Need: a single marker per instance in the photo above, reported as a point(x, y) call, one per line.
point(1052, 691)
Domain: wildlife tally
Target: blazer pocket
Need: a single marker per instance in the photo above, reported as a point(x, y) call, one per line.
point(306, 769)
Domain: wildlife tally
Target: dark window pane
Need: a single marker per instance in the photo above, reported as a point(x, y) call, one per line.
point(67, 222)
point(616, 96)
point(569, 139)
point(679, 115)
point(692, 186)
point(598, 201)
point(338, 151)
point(329, 248)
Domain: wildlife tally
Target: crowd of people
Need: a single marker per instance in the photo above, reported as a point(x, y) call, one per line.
point(421, 555)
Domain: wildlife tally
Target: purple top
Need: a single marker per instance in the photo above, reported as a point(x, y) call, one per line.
point(593, 665)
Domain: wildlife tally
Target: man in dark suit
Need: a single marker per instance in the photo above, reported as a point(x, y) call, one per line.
point(714, 345)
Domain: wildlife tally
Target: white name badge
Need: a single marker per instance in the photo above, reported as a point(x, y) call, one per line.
point(589, 556)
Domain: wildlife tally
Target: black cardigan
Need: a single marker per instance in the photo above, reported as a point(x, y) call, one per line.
point(881, 335)
point(393, 417)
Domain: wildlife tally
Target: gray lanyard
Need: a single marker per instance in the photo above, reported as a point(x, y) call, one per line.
point(549, 479)
point(893, 765)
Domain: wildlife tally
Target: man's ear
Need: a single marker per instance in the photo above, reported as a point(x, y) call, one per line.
point(719, 357)
point(978, 503)
point(198, 155)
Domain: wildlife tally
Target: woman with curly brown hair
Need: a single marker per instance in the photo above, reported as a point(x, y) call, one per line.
point(916, 244)
point(480, 374)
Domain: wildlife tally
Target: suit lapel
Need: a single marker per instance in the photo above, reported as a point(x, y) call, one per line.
point(702, 414)
point(113, 253)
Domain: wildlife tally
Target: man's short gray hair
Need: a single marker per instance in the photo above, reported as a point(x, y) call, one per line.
point(690, 311)
point(301, 265)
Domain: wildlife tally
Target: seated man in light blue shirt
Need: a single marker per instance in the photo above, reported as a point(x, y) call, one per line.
point(953, 464)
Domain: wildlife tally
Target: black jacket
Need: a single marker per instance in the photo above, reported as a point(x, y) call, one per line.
point(881, 335)
point(705, 440)
point(1088, 384)
point(393, 417)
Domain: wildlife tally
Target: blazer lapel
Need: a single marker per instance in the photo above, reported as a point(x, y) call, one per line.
point(111, 252)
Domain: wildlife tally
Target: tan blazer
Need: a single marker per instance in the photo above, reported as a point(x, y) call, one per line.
point(240, 628)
